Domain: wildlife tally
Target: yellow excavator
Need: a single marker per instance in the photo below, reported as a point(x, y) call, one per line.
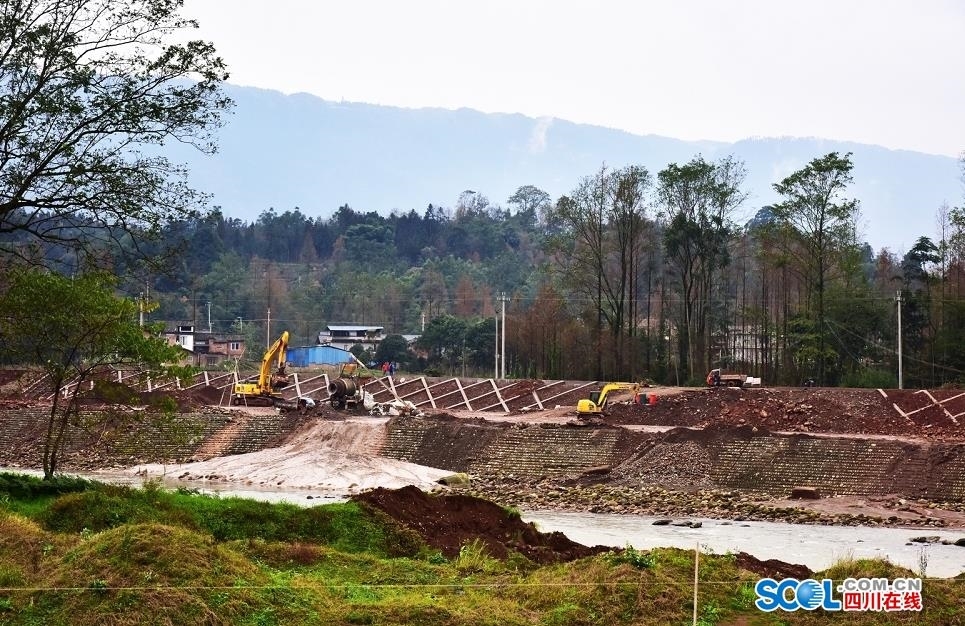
point(264, 391)
point(595, 405)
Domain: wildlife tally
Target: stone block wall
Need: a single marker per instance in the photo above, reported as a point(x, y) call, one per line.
point(778, 463)
point(133, 438)
point(842, 466)
point(523, 451)
point(537, 451)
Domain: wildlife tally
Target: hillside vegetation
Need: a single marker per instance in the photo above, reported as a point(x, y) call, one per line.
point(641, 286)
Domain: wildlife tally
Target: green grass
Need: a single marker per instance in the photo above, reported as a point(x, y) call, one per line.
point(97, 554)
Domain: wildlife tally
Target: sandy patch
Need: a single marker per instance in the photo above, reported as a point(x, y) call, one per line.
point(337, 457)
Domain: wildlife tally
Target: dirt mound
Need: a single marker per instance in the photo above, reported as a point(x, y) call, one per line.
point(449, 522)
point(920, 413)
point(205, 395)
point(772, 568)
point(108, 392)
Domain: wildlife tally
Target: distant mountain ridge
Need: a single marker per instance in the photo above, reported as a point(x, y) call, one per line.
point(280, 151)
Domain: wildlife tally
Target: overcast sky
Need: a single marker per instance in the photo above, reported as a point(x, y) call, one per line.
point(884, 72)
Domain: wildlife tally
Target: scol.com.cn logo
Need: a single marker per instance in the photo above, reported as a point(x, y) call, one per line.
point(854, 594)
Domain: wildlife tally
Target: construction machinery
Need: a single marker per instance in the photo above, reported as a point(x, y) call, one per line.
point(264, 391)
point(346, 390)
point(596, 404)
point(716, 378)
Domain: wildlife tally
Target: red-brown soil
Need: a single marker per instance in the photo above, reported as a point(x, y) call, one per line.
point(819, 410)
point(772, 568)
point(450, 522)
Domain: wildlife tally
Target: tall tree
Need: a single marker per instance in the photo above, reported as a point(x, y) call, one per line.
point(698, 198)
point(71, 328)
point(89, 92)
point(533, 202)
point(822, 223)
point(600, 229)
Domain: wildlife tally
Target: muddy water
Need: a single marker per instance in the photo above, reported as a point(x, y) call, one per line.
point(818, 547)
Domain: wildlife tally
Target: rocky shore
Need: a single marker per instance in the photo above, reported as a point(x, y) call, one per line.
point(710, 503)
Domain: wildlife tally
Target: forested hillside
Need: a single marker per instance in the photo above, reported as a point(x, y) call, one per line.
point(632, 274)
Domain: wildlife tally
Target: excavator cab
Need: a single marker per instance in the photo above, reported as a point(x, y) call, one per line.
point(265, 390)
point(596, 403)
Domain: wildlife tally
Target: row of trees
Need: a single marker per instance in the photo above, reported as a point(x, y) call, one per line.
point(631, 274)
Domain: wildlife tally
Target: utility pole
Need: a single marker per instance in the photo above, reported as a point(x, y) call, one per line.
point(268, 289)
point(209, 317)
point(503, 299)
point(496, 352)
point(140, 309)
point(901, 384)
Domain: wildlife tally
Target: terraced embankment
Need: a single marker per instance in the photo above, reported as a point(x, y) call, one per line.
point(859, 442)
point(743, 458)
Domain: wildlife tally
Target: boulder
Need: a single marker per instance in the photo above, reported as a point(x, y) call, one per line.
point(805, 493)
point(459, 479)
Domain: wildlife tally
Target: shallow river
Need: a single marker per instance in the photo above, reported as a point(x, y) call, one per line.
point(818, 547)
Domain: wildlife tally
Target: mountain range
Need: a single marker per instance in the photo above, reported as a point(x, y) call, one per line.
point(284, 152)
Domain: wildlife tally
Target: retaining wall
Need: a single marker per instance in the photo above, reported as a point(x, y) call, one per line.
point(764, 462)
point(126, 438)
point(735, 458)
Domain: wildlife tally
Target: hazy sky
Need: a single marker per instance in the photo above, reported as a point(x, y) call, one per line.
point(885, 72)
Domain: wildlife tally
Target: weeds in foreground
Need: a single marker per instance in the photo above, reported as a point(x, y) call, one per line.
point(633, 557)
point(474, 558)
point(186, 558)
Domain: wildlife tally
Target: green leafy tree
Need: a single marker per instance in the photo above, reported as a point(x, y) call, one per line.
point(370, 246)
point(481, 344)
point(445, 340)
point(394, 348)
point(698, 198)
point(821, 223)
point(90, 90)
point(72, 328)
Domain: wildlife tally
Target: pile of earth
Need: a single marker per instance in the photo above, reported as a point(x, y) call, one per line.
point(816, 409)
point(448, 522)
point(772, 568)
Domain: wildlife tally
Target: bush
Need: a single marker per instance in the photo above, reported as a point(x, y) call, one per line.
point(633, 557)
point(871, 379)
point(24, 487)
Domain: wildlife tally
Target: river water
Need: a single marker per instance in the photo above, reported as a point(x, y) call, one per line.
point(817, 547)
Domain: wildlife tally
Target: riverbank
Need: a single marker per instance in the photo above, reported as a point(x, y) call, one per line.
point(584, 496)
point(85, 554)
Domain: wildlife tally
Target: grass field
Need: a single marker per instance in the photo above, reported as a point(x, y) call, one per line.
point(76, 552)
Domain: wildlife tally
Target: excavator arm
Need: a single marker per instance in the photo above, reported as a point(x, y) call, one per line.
point(278, 352)
point(268, 380)
point(597, 401)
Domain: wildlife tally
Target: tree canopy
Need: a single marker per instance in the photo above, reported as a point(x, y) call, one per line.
point(70, 328)
point(90, 91)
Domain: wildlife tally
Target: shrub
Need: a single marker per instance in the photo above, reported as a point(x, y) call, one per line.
point(869, 378)
point(24, 487)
